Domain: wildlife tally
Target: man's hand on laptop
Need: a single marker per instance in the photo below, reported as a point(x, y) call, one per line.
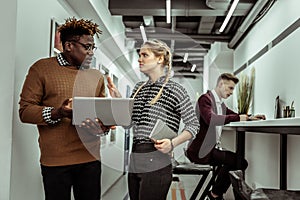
point(96, 127)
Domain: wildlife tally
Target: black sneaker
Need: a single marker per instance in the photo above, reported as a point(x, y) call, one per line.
point(210, 197)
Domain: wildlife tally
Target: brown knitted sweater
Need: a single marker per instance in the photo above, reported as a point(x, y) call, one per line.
point(49, 84)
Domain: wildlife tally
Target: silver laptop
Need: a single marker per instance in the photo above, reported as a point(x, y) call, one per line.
point(111, 111)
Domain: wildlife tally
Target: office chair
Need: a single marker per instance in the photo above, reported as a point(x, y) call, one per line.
point(196, 169)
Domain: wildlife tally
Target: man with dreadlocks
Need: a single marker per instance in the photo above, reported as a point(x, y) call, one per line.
point(150, 171)
point(70, 156)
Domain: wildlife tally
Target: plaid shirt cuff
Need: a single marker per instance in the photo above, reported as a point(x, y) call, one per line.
point(46, 113)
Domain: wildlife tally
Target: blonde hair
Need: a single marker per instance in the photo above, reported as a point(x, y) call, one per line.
point(159, 48)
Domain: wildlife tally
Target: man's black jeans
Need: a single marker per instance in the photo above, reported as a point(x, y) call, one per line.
point(84, 178)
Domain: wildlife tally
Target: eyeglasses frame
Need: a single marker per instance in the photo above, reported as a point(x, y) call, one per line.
point(87, 47)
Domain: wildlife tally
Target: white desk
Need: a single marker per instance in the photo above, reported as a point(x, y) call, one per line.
point(282, 126)
point(269, 122)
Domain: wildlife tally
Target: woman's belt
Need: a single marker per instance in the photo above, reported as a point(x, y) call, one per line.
point(142, 140)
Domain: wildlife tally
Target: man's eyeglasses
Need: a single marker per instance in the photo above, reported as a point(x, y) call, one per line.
point(87, 47)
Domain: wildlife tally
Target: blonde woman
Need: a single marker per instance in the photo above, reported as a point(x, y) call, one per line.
point(150, 170)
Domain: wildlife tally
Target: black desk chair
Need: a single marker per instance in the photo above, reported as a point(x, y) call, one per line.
point(196, 169)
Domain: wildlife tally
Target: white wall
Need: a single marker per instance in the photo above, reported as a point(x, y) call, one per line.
point(7, 52)
point(277, 73)
point(218, 60)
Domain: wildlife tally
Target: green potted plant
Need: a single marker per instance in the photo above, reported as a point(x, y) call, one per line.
point(245, 92)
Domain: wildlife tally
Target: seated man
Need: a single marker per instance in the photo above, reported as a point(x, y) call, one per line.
point(206, 148)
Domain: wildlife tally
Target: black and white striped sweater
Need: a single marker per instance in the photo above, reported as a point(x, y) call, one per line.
point(173, 105)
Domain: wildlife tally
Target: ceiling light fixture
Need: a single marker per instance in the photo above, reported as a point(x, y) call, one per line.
point(168, 11)
point(229, 14)
point(148, 20)
point(185, 57)
point(193, 68)
point(143, 33)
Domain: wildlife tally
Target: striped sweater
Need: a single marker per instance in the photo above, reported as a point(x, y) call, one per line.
point(173, 105)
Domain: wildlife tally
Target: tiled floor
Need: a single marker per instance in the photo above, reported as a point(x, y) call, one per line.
point(188, 183)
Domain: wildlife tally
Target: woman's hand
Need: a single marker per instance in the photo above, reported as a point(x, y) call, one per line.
point(164, 145)
point(113, 91)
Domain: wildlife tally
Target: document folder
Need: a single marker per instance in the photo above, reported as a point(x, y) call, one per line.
point(161, 131)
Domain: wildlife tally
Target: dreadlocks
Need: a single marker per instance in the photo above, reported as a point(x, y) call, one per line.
point(72, 29)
